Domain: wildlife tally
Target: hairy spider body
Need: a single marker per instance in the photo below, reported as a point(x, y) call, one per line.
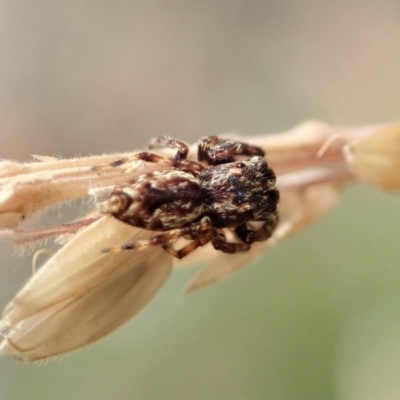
point(158, 200)
point(197, 200)
point(239, 192)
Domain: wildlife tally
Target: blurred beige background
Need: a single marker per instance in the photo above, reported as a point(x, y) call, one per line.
point(317, 317)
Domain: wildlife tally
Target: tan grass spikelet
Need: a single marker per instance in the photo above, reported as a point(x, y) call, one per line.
point(26, 188)
point(81, 294)
point(376, 158)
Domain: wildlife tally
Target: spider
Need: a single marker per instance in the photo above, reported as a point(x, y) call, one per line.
point(197, 200)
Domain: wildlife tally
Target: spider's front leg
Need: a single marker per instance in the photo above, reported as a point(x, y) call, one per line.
point(249, 235)
point(215, 150)
point(182, 147)
point(146, 156)
point(179, 161)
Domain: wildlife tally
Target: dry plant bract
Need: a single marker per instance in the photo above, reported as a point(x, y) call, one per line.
point(111, 262)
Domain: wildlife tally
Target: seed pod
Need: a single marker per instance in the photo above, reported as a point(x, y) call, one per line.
point(376, 158)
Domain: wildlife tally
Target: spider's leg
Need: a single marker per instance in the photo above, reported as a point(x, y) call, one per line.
point(193, 231)
point(144, 244)
point(147, 156)
point(182, 147)
point(180, 160)
point(202, 239)
point(220, 243)
point(215, 150)
point(184, 251)
point(249, 235)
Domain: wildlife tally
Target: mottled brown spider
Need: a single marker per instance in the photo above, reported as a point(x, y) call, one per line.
point(198, 199)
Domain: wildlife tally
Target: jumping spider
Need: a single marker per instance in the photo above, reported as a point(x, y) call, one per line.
point(198, 199)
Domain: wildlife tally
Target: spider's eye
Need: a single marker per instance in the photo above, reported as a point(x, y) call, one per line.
point(240, 165)
point(233, 179)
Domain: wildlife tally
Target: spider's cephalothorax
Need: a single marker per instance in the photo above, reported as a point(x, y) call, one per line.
point(198, 199)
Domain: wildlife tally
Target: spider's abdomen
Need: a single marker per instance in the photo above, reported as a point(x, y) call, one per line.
point(158, 200)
